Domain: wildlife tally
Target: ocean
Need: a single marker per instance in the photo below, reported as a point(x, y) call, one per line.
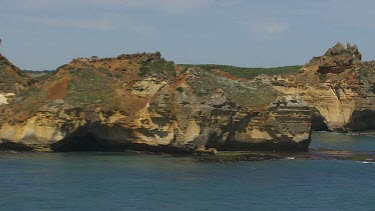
point(141, 181)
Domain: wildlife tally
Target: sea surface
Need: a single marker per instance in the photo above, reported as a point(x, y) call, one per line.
point(138, 181)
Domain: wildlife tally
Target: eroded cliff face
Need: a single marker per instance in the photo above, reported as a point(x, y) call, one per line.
point(338, 87)
point(143, 102)
point(12, 80)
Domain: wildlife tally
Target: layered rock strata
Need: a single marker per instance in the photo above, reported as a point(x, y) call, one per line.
point(338, 87)
point(143, 102)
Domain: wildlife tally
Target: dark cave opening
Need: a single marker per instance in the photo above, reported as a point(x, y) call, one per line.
point(318, 122)
point(362, 120)
point(87, 142)
point(8, 145)
point(91, 143)
point(102, 138)
point(94, 137)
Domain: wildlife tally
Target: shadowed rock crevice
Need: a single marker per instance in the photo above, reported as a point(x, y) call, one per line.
point(87, 142)
point(94, 137)
point(318, 122)
point(90, 142)
point(8, 145)
point(363, 120)
point(227, 134)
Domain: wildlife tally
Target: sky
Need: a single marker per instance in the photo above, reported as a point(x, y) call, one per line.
point(45, 34)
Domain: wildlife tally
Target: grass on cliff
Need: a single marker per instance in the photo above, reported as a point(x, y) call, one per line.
point(158, 67)
point(248, 93)
point(10, 76)
point(364, 72)
point(40, 75)
point(28, 102)
point(244, 72)
point(89, 85)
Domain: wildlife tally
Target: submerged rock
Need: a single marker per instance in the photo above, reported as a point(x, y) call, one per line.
point(238, 156)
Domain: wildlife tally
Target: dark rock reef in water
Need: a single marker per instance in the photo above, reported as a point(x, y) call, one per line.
point(143, 102)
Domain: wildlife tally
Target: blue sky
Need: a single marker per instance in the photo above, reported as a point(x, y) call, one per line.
point(44, 34)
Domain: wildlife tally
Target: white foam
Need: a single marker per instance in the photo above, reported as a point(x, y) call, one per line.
point(366, 162)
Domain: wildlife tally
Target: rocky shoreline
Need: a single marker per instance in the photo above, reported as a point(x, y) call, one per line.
point(315, 154)
point(253, 156)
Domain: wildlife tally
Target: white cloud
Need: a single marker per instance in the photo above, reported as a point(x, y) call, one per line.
point(95, 24)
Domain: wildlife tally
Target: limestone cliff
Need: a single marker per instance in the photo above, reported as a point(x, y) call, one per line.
point(338, 87)
point(144, 102)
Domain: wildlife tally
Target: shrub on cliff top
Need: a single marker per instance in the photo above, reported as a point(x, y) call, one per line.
point(158, 66)
point(247, 73)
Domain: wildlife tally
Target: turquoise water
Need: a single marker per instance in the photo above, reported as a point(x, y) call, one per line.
point(130, 181)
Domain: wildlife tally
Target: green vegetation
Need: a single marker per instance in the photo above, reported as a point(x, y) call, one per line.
point(41, 76)
point(243, 72)
point(88, 86)
point(364, 72)
point(29, 100)
point(323, 77)
point(157, 66)
point(180, 89)
point(11, 77)
point(242, 92)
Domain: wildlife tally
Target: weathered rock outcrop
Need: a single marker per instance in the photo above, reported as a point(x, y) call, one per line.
point(338, 87)
point(143, 102)
point(336, 60)
point(12, 80)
